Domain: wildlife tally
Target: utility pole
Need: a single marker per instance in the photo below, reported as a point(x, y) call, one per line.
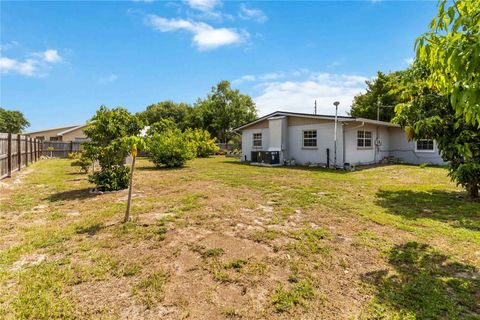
point(379, 105)
point(336, 103)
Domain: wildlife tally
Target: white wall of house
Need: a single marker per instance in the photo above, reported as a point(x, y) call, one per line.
point(404, 150)
point(365, 155)
point(279, 133)
point(325, 139)
point(247, 141)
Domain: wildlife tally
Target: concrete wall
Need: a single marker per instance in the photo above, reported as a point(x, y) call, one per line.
point(325, 135)
point(404, 150)
point(74, 135)
point(287, 134)
point(48, 133)
point(373, 154)
point(247, 141)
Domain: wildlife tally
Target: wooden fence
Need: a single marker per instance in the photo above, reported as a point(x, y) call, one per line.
point(60, 149)
point(16, 152)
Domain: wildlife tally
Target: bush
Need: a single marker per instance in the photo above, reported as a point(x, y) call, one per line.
point(74, 155)
point(111, 178)
point(202, 143)
point(170, 149)
point(107, 131)
point(83, 162)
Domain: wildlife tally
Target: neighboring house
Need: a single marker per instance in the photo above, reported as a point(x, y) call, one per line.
point(281, 137)
point(69, 133)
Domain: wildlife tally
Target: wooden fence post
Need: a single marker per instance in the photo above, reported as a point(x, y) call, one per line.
point(35, 149)
point(19, 152)
point(9, 155)
point(31, 150)
point(26, 151)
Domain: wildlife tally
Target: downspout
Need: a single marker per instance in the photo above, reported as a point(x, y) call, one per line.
point(343, 143)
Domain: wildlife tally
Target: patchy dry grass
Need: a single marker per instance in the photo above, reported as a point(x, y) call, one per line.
point(220, 239)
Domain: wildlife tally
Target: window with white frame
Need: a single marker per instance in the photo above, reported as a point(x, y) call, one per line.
point(310, 138)
point(257, 140)
point(364, 139)
point(425, 145)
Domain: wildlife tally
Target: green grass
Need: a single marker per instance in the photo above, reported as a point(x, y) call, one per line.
point(286, 299)
point(404, 235)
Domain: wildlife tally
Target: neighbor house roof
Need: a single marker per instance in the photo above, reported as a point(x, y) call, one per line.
point(316, 116)
point(71, 129)
point(52, 129)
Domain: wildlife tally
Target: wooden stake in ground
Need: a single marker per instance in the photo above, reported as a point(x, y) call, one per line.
point(134, 156)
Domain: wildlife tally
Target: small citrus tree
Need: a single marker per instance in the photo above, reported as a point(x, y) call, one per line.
point(106, 132)
point(202, 143)
point(170, 149)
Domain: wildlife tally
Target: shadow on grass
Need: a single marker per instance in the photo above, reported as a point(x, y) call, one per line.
point(426, 285)
point(298, 167)
point(79, 194)
point(449, 207)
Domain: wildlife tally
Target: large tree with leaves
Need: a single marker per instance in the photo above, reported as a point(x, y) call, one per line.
point(430, 114)
point(12, 121)
point(222, 110)
point(451, 51)
point(167, 110)
point(382, 95)
point(446, 104)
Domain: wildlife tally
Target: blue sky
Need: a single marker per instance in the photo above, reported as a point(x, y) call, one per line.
point(61, 60)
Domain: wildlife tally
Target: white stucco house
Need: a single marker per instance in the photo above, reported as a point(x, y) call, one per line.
point(281, 137)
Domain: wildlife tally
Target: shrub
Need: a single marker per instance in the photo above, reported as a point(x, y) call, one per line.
point(83, 162)
point(202, 142)
point(170, 149)
point(107, 131)
point(111, 178)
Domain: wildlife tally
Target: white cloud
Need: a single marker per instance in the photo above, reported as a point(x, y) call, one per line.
point(26, 68)
point(245, 78)
point(203, 5)
point(36, 65)
point(298, 95)
point(52, 56)
point(251, 14)
point(263, 77)
point(205, 37)
point(107, 79)
point(409, 60)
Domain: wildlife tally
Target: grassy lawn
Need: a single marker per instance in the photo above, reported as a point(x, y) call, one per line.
point(220, 239)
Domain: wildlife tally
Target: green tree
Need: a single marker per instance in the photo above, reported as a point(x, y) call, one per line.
point(430, 114)
point(445, 90)
point(107, 131)
point(170, 149)
point(202, 142)
point(176, 112)
point(384, 89)
point(451, 51)
point(222, 110)
point(161, 126)
point(12, 121)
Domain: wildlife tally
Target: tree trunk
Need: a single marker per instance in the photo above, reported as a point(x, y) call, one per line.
point(472, 190)
point(127, 213)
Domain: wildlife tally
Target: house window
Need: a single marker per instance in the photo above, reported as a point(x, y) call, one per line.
point(310, 138)
point(364, 139)
point(425, 145)
point(55, 138)
point(41, 138)
point(257, 140)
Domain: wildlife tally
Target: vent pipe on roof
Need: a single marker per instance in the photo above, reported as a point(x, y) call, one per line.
point(315, 107)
